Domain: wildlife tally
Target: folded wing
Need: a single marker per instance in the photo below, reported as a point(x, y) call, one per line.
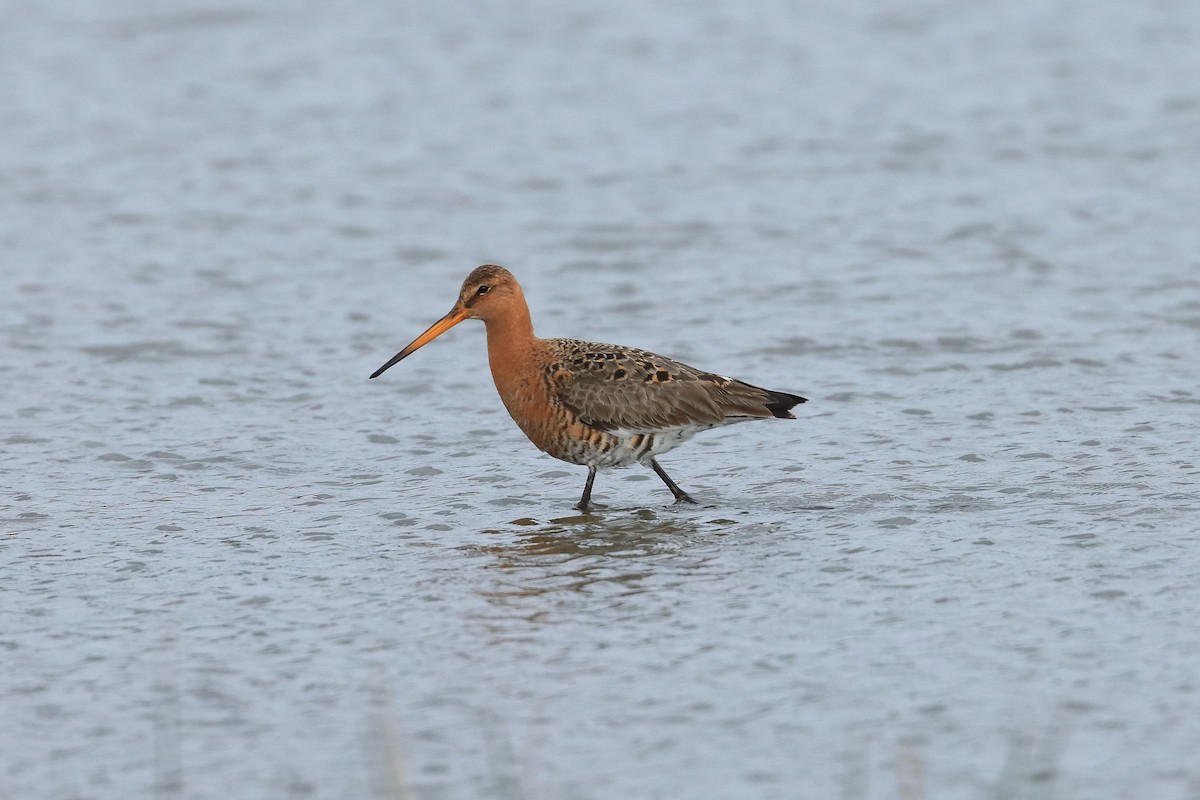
point(618, 388)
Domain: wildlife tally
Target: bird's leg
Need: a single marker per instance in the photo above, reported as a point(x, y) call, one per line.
point(680, 495)
point(582, 505)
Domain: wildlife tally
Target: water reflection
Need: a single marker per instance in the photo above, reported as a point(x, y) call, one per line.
point(537, 567)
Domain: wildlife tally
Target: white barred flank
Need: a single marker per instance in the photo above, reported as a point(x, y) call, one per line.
point(622, 448)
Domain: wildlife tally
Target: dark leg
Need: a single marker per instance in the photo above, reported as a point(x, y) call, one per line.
point(582, 505)
point(680, 495)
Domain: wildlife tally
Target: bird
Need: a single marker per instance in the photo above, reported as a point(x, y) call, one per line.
point(595, 405)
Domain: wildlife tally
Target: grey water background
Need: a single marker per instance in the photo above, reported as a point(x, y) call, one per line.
point(233, 567)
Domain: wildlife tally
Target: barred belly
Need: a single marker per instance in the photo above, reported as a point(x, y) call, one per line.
point(620, 448)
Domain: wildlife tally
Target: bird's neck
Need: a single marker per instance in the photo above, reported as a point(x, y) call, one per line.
point(511, 343)
point(519, 362)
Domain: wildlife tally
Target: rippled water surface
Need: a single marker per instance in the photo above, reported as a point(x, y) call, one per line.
point(233, 567)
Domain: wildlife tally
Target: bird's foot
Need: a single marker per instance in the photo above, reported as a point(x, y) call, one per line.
point(684, 497)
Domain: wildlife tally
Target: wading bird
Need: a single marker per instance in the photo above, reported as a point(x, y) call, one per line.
point(597, 405)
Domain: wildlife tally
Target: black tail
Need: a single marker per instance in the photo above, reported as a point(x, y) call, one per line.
point(780, 403)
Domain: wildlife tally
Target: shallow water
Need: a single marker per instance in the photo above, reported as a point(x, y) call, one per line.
point(233, 567)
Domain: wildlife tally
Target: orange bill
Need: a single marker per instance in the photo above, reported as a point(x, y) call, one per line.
point(456, 315)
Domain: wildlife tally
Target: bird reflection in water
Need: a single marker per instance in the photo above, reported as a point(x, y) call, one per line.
point(572, 559)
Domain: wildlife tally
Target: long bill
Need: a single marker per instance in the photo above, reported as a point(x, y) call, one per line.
point(456, 315)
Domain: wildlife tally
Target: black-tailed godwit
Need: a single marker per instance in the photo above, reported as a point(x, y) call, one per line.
point(597, 405)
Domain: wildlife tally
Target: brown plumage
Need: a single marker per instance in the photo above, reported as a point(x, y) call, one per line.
point(598, 405)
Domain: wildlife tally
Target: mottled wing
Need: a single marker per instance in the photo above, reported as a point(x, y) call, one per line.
point(620, 388)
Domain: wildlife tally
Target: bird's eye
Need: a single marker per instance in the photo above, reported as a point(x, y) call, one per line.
point(483, 289)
